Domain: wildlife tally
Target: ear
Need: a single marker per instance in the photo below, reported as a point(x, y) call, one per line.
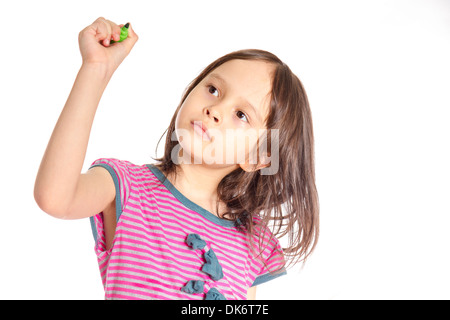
point(265, 162)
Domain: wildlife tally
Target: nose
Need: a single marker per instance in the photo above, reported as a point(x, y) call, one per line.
point(214, 114)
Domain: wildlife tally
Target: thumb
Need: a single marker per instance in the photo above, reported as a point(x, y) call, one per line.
point(122, 49)
point(131, 39)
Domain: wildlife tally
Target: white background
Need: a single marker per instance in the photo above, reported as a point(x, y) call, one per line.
point(377, 74)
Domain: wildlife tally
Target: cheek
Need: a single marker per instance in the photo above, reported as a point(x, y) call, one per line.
point(246, 143)
point(182, 117)
point(236, 144)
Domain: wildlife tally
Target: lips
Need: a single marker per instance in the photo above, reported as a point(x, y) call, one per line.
point(200, 125)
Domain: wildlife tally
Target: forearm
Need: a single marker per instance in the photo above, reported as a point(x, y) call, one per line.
point(63, 159)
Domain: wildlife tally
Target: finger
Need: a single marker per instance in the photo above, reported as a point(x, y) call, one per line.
point(114, 30)
point(126, 45)
point(102, 27)
point(109, 25)
point(120, 30)
point(131, 35)
point(102, 30)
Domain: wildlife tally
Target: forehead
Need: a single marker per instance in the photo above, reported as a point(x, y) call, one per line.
point(248, 79)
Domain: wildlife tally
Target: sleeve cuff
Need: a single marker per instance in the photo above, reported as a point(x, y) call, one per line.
point(267, 277)
point(118, 201)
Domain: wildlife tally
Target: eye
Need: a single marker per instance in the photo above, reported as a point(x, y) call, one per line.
point(212, 90)
point(240, 112)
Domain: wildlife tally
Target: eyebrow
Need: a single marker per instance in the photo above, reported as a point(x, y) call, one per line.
point(224, 83)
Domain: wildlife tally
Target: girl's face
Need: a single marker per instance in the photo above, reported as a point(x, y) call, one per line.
point(231, 104)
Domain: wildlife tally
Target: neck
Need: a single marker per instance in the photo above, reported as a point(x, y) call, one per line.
point(199, 183)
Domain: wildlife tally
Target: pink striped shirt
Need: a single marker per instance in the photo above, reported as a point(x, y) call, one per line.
point(150, 257)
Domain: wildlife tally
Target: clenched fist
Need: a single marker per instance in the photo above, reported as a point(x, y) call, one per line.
point(95, 46)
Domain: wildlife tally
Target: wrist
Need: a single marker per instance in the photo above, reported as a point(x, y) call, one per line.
point(99, 69)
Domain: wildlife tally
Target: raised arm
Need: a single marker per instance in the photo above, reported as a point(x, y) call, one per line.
point(61, 190)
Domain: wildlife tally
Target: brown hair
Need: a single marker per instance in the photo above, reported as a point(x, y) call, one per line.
point(287, 200)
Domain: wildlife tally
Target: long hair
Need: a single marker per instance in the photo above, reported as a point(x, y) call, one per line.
point(287, 201)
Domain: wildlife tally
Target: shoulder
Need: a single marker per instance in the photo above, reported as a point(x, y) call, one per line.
point(122, 168)
point(113, 163)
point(128, 177)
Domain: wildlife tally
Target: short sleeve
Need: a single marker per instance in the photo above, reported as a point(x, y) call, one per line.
point(274, 266)
point(120, 172)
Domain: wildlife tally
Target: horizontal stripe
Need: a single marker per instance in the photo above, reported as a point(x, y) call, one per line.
point(150, 259)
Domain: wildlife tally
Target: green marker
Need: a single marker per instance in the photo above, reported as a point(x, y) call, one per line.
point(123, 33)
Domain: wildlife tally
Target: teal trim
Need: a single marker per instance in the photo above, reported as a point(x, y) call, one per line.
point(188, 203)
point(267, 277)
point(93, 228)
point(118, 201)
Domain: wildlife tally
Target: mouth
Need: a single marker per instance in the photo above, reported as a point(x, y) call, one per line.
point(201, 129)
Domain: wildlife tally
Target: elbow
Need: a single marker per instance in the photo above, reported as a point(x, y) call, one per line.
point(49, 204)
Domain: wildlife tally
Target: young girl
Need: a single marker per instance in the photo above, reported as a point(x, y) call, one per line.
point(193, 225)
